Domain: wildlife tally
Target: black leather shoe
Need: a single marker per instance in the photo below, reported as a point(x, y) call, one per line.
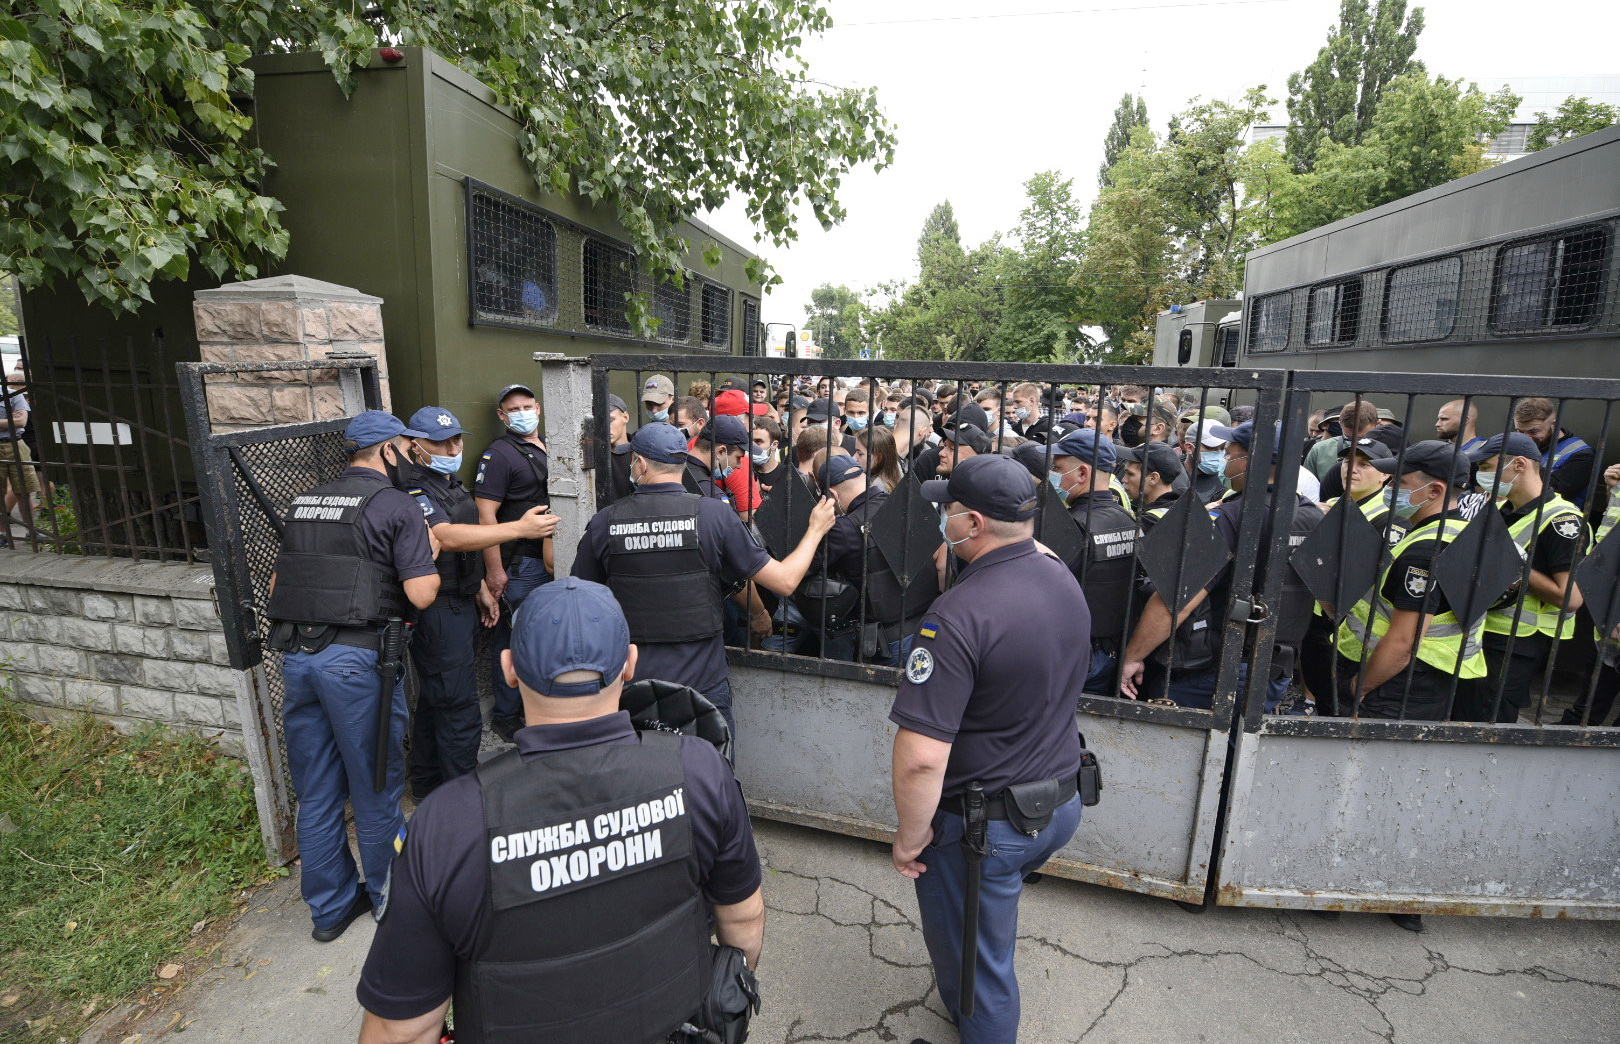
point(362, 903)
point(1034, 877)
point(1411, 922)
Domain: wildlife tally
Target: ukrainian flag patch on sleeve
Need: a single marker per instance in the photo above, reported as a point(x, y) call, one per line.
point(928, 630)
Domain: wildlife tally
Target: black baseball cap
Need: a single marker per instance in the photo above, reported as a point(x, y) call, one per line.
point(969, 435)
point(1156, 458)
point(732, 384)
point(1441, 461)
point(974, 414)
point(616, 403)
point(1513, 444)
point(821, 410)
point(992, 485)
point(1372, 449)
point(1031, 455)
point(725, 430)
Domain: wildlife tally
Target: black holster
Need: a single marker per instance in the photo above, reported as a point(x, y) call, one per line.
point(731, 1001)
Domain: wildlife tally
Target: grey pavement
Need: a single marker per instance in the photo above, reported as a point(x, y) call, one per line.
point(844, 961)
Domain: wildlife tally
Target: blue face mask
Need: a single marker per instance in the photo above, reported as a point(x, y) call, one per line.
point(945, 521)
point(1403, 505)
point(524, 422)
point(662, 416)
point(723, 472)
point(856, 423)
point(886, 419)
point(445, 465)
point(1212, 462)
point(1022, 413)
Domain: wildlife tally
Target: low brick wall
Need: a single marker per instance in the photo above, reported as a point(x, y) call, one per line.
point(131, 642)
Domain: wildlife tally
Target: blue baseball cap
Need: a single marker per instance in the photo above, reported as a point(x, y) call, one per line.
point(375, 426)
point(1513, 444)
point(1088, 447)
point(990, 484)
point(1243, 435)
point(569, 625)
point(435, 423)
point(725, 430)
point(660, 441)
point(1441, 461)
point(839, 469)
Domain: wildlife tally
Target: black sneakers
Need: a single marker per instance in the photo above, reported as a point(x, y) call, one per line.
point(362, 903)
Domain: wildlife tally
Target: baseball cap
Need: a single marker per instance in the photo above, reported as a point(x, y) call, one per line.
point(993, 485)
point(1086, 446)
point(375, 426)
point(735, 403)
point(732, 383)
point(1031, 455)
point(660, 442)
point(1243, 435)
point(974, 414)
point(1204, 434)
point(1156, 458)
point(657, 389)
point(798, 402)
point(761, 384)
point(969, 435)
point(1441, 461)
point(840, 469)
point(510, 388)
point(1372, 449)
point(1214, 413)
point(821, 410)
point(726, 431)
point(435, 423)
point(1513, 444)
point(616, 403)
point(569, 625)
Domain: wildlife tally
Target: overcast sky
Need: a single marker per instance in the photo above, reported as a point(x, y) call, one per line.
point(981, 103)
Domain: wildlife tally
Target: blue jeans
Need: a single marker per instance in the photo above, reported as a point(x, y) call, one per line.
point(795, 638)
point(446, 727)
point(1196, 688)
point(329, 716)
point(523, 576)
point(1100, 675)
point(940, 892)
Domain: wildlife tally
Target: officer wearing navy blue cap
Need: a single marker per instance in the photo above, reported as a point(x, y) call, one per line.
point(447, 725)
point(512, 479)
point(1082, 472)
point(718, 450)
point(354, 555)
point(563, 891)
point(1193, 685)
point(671, 558)
point(988, 697)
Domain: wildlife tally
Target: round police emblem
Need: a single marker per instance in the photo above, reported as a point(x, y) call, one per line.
point(445, 420)
point(1417, 582)
point(1568, 527)
point(919, 666)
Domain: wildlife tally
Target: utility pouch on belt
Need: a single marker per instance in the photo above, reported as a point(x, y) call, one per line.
point(731, 1001)
point(1030, 805)
point(1089, 780)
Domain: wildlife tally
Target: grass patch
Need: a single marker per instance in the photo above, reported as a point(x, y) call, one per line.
point(112, 848)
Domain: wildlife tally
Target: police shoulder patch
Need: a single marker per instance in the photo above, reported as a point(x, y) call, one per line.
point(1568, 527)
point(1417, 581)
point(919, 666)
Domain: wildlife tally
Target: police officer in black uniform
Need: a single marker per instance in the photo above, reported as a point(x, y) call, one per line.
point(1082, 467)
point(718, 451)
point(1196, 688)
point(512, 478)
point(1149, 473)
point(354, 556)
point(671, 557)
point(988, 701)
point(853, 559)
point(447, 725)
point(562, 892)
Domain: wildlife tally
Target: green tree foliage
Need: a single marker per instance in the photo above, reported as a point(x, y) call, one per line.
point(836, 317)
point(9, 327)
point(1426, 133)
point(125, 149)
point(1041, 304)
point(1131, 114)
point(1336, 97)
point(1576, 116)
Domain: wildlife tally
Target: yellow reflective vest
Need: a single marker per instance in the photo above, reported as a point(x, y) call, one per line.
point(1534, 615)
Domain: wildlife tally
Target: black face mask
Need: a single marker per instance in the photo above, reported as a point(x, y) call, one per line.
point(391, 467)
point(1130, 433)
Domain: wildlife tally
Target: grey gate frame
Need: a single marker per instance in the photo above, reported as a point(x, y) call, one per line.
point(815, 738)
point(246, 479)
point(1391, 816)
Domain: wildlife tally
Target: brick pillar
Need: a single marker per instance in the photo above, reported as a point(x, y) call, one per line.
point(283, 318)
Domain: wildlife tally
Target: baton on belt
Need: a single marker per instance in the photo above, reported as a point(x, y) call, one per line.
point(390, 661)
point(975, 825)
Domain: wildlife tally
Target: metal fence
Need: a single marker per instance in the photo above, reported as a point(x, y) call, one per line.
point(102, 466)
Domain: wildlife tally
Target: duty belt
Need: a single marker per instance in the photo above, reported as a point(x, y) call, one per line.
point(360, 639)
point(995, 805)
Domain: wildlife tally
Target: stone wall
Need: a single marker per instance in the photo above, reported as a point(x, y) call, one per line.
point(131, 642)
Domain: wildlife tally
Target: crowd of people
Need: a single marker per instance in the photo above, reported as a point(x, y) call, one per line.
point(993, 644)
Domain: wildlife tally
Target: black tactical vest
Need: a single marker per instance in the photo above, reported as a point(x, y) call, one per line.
point(884, 602)
point(324, 574)
point(512, 510)
point(594, 930)
point(656, 569)
point(1106, 566)
point(1295, 600)
point(460, 572)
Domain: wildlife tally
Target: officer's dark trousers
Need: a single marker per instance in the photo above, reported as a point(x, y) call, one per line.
point(940, 892)
point(330, 720)
point(1608, 686)
point(523, 576)
point(1517, 674)
point(446, 728)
